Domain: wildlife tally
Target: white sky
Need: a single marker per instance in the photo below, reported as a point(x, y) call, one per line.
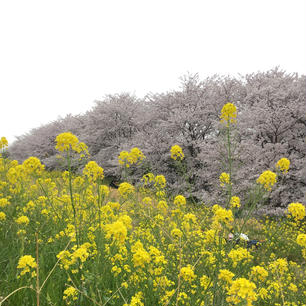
point(57, 57)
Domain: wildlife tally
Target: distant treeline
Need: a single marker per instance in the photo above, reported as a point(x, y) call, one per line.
point(271, 124)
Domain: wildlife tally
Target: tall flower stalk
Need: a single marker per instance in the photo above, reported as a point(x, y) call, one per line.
point(71, 195)
point(67, 142)
point(95, 174)
point(178, 156)
point(127, 159)
point(228, 117)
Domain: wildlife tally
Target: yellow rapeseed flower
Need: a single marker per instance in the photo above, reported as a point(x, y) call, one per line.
point(259, 273)
point(136, 155)
point(126, 189)
point(2, 216)
point(176, 233)
point(104, 191)
point(241, 289)
point(160, 181)
point(4, 202)
point(67, 141)
point(70, 293)
point(267, 179)
point(187, 273)
point(32, 165)
point(179, 200)
point(147, 201)
point(228, 113)
point(279, 266)
point(235, 202)
point(226, 275)
point(297, 211)
point(136, 300)
point(283, 165)
point(301, 240)
point(238, 255)
point(162, 206)
point(127, 159)
point(148, 178)
point(140, 255)
point(160, 194)
point(123, 159)
point(117, 230)
point(26, 262)
point(177, 152)
point(263, 293)
point(65, 259)
point(80, 253)
point(21, 232)
point(205, 282)
point(93, 171)
point(223, 215)
point(3, 143)
point(224, 179)
point(23, 220)
point(293, 287)
point(16, 174)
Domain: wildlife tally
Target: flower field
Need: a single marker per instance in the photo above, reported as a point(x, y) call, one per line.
point(69, 239)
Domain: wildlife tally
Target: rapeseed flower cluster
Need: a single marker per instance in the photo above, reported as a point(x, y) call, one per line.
point(3, 143)
point(136, 300)
point(77, 256)
point(153, 184)
point(177, 152)
point(32, 165)
point(125, 189)
point(70, 295)
point(2, 216)
point(301, 240)
point(259, 273)
point(67, 141)
point(238, 255)
point(93, 172)
point(187, 273)
point(140, 245)
point(179, 200)
point(117, 230)
point(104, 191)
point(235, 202)
point(222, 215)
point(135, 156)
point(148, 178)
point(140, 256)
point(279, 266)
point(23, 220)
point(297, 211)
point(4, 202)
point(229, 113)
point(283, 165)
point(160, 181)
point(27, 263)
point(224, 179)
point(267, 179)
point(226, 276)
point(240, 290)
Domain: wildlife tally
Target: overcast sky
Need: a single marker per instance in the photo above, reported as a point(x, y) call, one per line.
point(57, 57)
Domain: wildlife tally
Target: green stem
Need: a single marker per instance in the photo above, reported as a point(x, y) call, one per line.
point(229, 160)
point(255, 198)
point(99, 207)
point(183, 170)
point(37, 273)
point(71, 197)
